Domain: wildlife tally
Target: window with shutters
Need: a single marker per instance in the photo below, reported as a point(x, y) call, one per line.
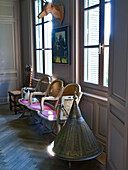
point(43, 40)
point(96, 17)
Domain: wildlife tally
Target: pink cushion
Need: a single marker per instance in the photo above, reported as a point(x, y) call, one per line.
point(37, 106)
point(26, 102)
point(48, 114)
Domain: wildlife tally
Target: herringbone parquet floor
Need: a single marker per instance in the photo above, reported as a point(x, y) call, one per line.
point(22, 148)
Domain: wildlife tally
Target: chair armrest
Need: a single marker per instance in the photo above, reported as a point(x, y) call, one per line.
point(36, 93)
point(79, 96)
point(47, 98)
point(31, 89)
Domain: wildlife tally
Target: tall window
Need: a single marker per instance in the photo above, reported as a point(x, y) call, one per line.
point(96, 42)
point(43, 40)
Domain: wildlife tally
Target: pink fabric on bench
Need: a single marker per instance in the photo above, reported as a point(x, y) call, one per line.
point(26, 102)
point(37, 106)
point(48, 114)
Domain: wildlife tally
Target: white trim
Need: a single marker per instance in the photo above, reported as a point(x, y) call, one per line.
point(77, 41)
point(96, 96)
point(30, 30)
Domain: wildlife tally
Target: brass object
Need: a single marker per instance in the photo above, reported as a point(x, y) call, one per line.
point(75, 141)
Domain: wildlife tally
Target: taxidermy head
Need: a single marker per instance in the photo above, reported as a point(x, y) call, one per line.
point(55, 9)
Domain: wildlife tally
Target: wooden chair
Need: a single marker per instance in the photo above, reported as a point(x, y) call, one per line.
point(14, 95)
point(47, 107)
point(52, 94)
point(43, 84)
point(28, 76)
point(52, 114)
point(67, 101)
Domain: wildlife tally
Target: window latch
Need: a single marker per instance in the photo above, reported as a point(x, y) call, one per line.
point(101, 46)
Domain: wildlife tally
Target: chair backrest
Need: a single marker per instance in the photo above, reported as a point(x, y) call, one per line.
point(67, 99)
point(55, 88)
point(42, 84)
point(28, 76)
point(71, 89)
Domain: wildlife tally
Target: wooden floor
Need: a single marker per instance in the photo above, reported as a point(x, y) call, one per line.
point(22, 147)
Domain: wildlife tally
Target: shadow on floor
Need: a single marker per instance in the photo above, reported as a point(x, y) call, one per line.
point(36, 145)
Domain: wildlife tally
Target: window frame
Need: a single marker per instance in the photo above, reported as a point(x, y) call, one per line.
point(43, 49)
point(97, 89)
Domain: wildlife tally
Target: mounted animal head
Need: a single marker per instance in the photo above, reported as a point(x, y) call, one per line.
point(55, 9)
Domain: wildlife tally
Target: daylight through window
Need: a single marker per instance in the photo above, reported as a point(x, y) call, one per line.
point(96, 41)
point(43, 40)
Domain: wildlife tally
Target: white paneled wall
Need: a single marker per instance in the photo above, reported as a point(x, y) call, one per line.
point(94, 111)
point(117, 143)
point(9, 48)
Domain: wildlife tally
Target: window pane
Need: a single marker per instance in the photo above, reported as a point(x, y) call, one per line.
point(88, 3)
point(39, 61)
point(48, 35)
point(107, 0)
point(38, 36)
point(49, 0)
point(106, 63)
point(38, 9)
point(48, 62)
point(48, 17)
point(91, 65)
point(91, 25)
point(107, 24)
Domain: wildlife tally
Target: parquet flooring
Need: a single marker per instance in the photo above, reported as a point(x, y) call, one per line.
point(22, 148)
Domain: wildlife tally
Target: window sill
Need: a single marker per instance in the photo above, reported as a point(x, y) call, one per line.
point(96, 96)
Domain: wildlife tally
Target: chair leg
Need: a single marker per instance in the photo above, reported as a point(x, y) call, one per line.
point(35, 119)
point(10, 100)
point(57, 128)
point(44, 127)
point(15, 109)
point(23, 112)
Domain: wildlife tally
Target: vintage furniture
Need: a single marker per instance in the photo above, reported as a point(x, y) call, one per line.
point(28, 76)
point(52, 94)
point(41, 85)
point(50, 113)
point(67, 100)
point(13, 98)
point(45, 112)
point(14, 95)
